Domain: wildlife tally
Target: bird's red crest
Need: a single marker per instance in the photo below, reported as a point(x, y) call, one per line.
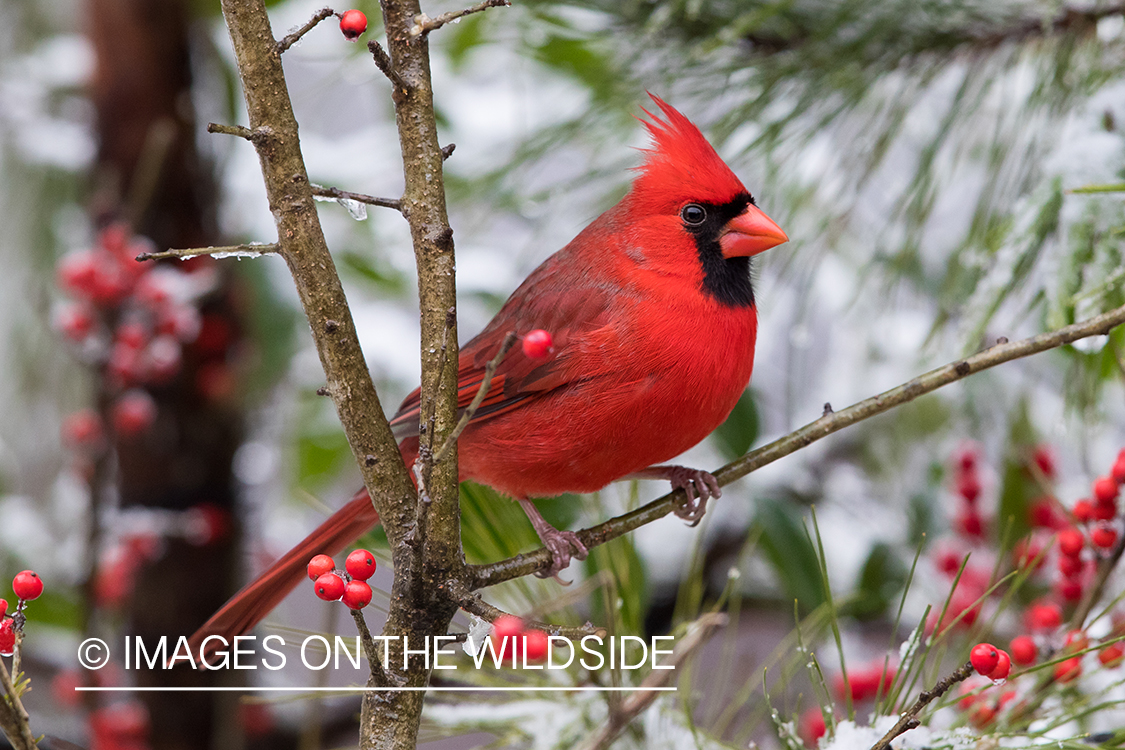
point(682, 165)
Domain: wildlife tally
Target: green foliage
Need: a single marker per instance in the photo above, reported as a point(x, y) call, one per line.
point(741, 428)
point(789, 552)
point(879, 584)
point(628, 591)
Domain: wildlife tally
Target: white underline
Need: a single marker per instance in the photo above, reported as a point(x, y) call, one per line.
point(473, 689)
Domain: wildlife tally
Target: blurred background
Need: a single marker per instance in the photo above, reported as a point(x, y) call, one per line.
point(949, 173)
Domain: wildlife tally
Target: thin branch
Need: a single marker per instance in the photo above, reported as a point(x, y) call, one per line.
point(909, 720)
point(338, 194)
point(1097, 588)
point(13, 716)
point(253, 249)
point(290, 39)
point(383, 63)
point(423, 24)
point(471, 602)
point(485, 384)
point(521, 565)
point(698, 633)
point(237, 131)
point(378, 675)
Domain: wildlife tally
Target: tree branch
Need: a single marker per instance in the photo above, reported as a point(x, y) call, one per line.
point(485, 384)
point(521, 565)
point(698, 633)
point(472, 603)
point(290, 39)
point(337, 193)
point(253, 249)
point(909, 720)
point(13, 716)
point(383, 63)
point(423, 24)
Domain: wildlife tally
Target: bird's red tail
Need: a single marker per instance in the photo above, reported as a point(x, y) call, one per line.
point(250, 605)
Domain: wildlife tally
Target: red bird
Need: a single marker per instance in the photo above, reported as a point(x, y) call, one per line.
point(652, 315)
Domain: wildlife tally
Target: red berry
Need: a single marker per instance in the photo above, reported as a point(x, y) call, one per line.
point(352, 24)
point(1071, 542)
point(1070, 567)
point(360, 565)
point(1118, 471)
point(535, 645)
point(82, 429)
point(319, 565)
point(1105, 511)
point(1103, 536)
point(1105, 489)
point(357, 594)
point(1003, 667)
point(3, 607)
point(537, 344)
point(1069, 670)
point(1027, 552)
point(506, 631)
point(970, 524)
point(812, 726)
point(27, 585)
point(984, 657)
point(1042, 515)
point(1083, 511)
point(133, 413)
point(1044, 459)
point(1069, 590)
point(981, 715)
point(214, 336)
point(329, 587)
point(162, 358)
point(966, 457)
point(75, 320)
point(7, 636)
point(206, 524)
point(968, 486)
point(1076, 640)
point(1112, 656)
point(1024, 650)
point(132, 334)
point(1043, 615)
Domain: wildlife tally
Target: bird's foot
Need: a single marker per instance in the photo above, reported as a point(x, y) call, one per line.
point(563, 545)
point(699, 486)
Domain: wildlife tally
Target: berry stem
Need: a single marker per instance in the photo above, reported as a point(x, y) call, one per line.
point(379, 676)
point(14, 719)
point(909, 720)
point(289, 40)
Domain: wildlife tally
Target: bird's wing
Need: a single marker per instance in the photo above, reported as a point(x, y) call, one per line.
point(573, 314)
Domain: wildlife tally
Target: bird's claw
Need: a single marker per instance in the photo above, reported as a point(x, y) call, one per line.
point(699, 487)
point(563, 545)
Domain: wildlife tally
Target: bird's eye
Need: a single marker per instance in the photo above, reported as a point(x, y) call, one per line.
point(693, 214)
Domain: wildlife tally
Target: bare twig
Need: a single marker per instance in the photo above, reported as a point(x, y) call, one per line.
point(237, 131)
point(485, 384)
point(13, 716)
point(378, 674)
point(423, 24)
point(338, 194)
point(909, 720)
point(471, 602)
point(698, 633)
point(521, 565)
point(383, 63)
point(290, 39)
point(1097, 588)
point(447, 151)
point(229, 251)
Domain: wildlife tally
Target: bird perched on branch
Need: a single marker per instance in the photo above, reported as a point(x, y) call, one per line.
point(651, 314)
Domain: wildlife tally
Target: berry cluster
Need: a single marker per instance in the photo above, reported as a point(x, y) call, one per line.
point(27, 586)
point(348, 585)
point(516, 640)
point(132, 321)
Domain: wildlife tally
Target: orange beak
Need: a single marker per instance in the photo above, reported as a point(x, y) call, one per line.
point(750, 233)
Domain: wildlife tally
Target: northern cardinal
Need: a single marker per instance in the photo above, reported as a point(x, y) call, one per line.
point(651, 312)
